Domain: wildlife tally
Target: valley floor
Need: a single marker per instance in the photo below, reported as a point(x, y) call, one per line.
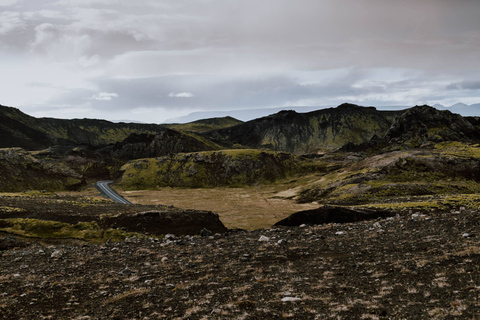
point(414, 266)
point(245, 208)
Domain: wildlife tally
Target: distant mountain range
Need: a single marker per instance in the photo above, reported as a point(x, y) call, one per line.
point(251, 114)
point(299, 133)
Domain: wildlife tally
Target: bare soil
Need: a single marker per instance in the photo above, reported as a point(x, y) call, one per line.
point(417, 265)
point(244, 208)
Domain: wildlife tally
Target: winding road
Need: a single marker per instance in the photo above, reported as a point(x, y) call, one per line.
point(105, 189)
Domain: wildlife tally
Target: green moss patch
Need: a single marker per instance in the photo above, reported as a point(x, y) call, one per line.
point(90, 231)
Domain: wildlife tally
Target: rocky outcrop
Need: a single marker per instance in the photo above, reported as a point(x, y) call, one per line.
point(331, 214)
point(423, 124)
point(20, 170)
point(178, 222)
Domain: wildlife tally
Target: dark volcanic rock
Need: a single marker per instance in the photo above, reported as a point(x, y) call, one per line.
point(331, 214)
point(423, 124)
point(180, 222)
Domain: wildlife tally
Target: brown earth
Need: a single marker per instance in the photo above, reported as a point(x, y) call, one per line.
point(245, 208)
point(417, 265)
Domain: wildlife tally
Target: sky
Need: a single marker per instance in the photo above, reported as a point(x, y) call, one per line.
point(153, 60)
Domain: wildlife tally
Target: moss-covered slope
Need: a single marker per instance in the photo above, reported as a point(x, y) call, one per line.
point(211, 169)
point(449, 168)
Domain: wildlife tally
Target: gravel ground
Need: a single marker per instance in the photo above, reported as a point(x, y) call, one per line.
point(414, 266)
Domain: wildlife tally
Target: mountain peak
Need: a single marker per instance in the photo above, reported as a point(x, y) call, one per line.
point(459, 105)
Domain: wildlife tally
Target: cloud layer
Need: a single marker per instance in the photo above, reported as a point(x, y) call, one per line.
point(153, 59)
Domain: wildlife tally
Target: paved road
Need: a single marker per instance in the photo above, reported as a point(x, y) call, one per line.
point(106, 190)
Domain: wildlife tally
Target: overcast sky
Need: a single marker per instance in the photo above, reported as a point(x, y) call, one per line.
point(151, 60)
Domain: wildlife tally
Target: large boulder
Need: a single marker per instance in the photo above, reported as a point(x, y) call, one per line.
point(331, 214)
point(176, 221)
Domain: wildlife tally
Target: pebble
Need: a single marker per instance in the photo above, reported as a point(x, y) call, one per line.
point(340, 233)
point(291, 299)
point(467, 235)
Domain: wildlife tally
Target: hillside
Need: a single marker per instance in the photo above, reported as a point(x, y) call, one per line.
point(212, 169)
point(311, 132)
point(18, 129)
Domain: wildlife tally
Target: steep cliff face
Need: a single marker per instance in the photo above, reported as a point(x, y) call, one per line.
point(309, 132)
point(166, 142)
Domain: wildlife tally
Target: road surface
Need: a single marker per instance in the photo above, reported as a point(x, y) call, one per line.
point(106, 190)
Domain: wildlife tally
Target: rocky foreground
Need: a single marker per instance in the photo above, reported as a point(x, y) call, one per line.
point(416, 265)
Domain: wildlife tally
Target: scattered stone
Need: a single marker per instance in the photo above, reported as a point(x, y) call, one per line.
point(467, 235)
point(126, 272)
point(340, 233)
point(263, 239)
point(56, 254)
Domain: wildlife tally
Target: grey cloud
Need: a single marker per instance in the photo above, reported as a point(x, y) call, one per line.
point(245, 54)
point(464, 85)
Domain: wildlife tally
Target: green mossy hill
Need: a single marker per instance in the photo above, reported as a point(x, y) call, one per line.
point(205, 125)
point(20, 170)
point(166, 142)
point(444, 170)
point(18, 129)
point(213, 169)
point(311, 132)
